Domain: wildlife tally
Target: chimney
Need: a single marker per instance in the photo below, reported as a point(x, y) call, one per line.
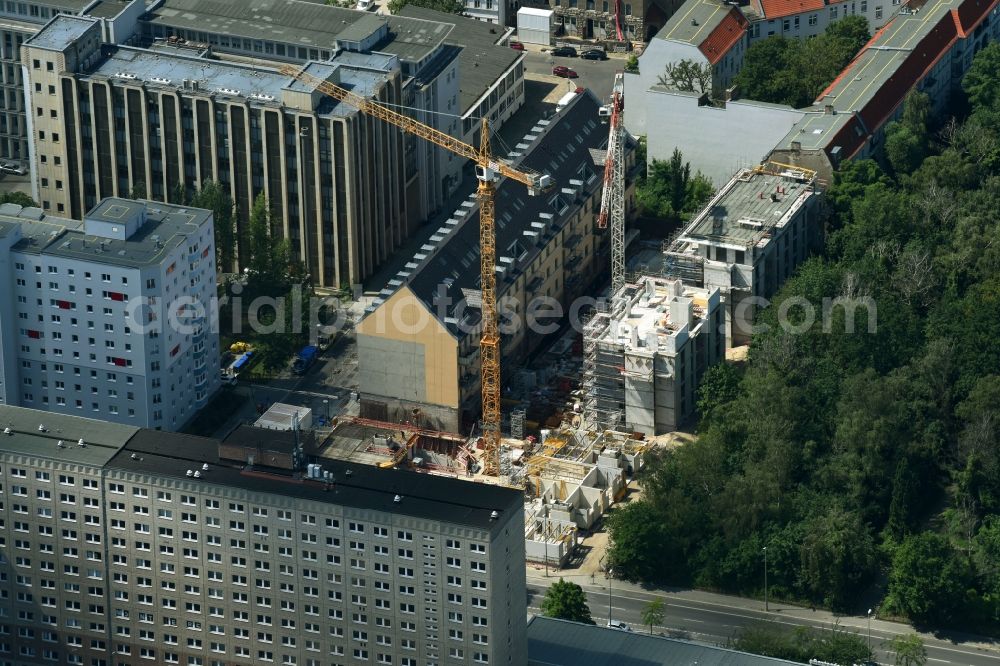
point(796, 146)
point(829, 110)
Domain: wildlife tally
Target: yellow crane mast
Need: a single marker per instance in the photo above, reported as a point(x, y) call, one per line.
point(489, 170)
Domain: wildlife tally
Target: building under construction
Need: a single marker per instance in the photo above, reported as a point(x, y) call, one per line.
point(645, 354)
point(748, 240)
point(570, 477)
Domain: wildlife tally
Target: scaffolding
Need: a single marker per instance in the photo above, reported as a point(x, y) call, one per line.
point(517, 423)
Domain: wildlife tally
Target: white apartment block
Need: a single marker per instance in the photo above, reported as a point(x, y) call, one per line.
point(144, 547)
point(644, 355)
point(109, 317)
point(812, 17)
point(748, 240)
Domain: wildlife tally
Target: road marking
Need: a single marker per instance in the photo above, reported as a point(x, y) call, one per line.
point(728, 611)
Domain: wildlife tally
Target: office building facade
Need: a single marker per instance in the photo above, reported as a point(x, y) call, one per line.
point(111, 317)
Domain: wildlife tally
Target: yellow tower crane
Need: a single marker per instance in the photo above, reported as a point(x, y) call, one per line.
point(489, 170)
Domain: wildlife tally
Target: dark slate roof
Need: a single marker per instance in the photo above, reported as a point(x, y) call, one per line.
point(448, 266)
point(554, 642)
point(439, 498)
point(481, 61)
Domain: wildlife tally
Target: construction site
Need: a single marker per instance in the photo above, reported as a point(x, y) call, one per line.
point(570, 475)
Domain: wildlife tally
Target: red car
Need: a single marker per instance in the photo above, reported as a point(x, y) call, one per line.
point(517, 46)
point(564, 71)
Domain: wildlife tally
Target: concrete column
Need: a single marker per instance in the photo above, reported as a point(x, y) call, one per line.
point(148, 175)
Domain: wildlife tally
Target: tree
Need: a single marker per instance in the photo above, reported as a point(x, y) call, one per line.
point(268, 257)
point(927, 581)
point(982, 82)
point(19, 198)
point(636, 551)
point(446, 6)
point(909, 649)
point(632, 64)
point(719, 386)
point(653, 613)
point(688, 76)
point(212, 197)
point(795, 72)
point(670, 191)
point(565, 600)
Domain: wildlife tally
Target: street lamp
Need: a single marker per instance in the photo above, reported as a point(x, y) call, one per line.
point(545, 541)
point(326, 408)
point(611, 573)
point(765, 579)
point(869, 632)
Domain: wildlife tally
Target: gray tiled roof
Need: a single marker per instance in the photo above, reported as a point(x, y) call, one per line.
point(448, 266)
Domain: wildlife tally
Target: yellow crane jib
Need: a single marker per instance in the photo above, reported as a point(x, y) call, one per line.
point(489, 170)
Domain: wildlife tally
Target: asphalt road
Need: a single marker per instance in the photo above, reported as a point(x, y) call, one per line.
point(598, 75)
point(714, 619)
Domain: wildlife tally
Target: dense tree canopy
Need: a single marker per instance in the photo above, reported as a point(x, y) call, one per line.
point(795, 71)
point(852, 452)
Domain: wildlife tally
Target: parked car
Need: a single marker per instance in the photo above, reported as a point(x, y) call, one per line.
point(564, 71)
point(228, 378)
point(365, 5)
point(12, 167)
point(618, 624)
point(594, 54)
point(564, 52)
point(517, 46)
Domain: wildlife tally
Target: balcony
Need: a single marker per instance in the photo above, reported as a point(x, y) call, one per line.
point(201, 381)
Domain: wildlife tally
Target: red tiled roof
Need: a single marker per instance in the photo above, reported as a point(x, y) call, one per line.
point(775, 9)
point(730, 30)
point(937, 43)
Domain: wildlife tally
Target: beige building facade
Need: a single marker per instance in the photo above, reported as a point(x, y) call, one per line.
point(138, 120)
point(418, 346)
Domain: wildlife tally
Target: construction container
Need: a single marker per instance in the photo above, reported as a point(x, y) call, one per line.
point(534, 26)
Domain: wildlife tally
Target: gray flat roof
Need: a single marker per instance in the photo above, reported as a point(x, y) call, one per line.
point(553, 642)
point(166, 227)
point(438, 498)
point(481, 61)
point(743, 208)
point(102, 439)
point(61, 31)
point(258, 85)
point(297, 22)
point(107, 8)
point(694, 21)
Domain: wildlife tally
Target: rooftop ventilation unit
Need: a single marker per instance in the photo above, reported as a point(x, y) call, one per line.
point(397, 499)
point(160, 79)
point(42, 428)
point(204, 467)
point(229, 91)
point(262, 96)
point(80, 442)
point(190, 472)
point(124, 75)
point(60, 444)
point(8, 431)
